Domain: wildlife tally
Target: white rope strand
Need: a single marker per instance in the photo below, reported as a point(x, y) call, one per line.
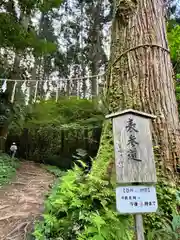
point(57, 91)
point(59, 84)
point(13, 92)
point(78, 88)
point(58, 80)
point(35, 93)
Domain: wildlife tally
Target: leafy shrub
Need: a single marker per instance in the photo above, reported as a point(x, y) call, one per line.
point(82, 208)
point(7, 168)
point(177, 89)
point(65, 111)
point(170, 231)
point(167, 206)
point(51, 132)
point(54, 170)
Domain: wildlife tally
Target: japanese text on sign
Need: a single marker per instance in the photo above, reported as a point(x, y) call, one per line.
point(134, 158)
point(132, 142)
point(136, 199)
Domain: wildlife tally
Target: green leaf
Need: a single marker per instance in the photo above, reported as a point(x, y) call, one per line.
point(98, 237)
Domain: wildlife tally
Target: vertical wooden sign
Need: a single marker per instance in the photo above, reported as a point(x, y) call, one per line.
point(134, 161)
point(134, 156)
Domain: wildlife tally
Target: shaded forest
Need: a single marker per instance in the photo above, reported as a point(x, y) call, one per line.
point(64, 65)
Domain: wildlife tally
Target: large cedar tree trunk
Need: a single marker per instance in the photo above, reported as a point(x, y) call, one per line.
point(140, 74)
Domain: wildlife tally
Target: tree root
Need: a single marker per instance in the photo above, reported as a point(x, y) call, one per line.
point(17, 228)
point(11, 238)
point(20, 183)
point(10, 216)
point(24, 225)
point(5, 206)
point(31, 174)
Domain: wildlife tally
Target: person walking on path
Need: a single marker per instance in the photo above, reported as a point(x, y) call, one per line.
point(13, 149)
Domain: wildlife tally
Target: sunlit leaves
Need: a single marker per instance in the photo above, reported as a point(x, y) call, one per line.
point(174, 42)
point(7, 168)
point(44, 47)
point(42, 5)
point(47, 5)
point(13, 35)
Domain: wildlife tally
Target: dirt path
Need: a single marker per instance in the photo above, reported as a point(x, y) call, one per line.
point(22, 201)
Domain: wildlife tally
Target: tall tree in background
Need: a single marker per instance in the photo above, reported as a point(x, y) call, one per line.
point(18, 40)
point(82, 36)
point(141, 75)
point(96, 56)
point(43, 62)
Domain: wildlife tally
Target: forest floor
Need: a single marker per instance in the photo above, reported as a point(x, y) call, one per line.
point(21, 202)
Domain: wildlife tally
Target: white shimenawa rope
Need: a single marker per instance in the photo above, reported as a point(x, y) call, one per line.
point(58, 80)
point(66, 80)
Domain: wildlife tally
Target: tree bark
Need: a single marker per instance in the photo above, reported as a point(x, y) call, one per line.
point(140, 75)
point(96, 57)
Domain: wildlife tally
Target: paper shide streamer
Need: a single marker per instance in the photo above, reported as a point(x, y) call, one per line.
point(60, 85)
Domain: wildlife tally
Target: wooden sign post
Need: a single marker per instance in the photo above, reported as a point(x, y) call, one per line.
point(139, 227)
point(134, 160)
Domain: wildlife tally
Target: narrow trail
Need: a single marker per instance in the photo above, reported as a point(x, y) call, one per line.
point(21, 202)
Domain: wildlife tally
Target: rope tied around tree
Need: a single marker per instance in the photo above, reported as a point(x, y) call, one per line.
point(108, 73)
point(139, 46)
point(109, 70)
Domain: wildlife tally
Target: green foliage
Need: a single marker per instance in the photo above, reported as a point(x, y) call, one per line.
point(156, 224)
point(7, 168)
point(42, 47)
point(52, 132)
point(48, 5)
point(70, 111)
point(54, 170)
point(43, 6)
point(170, 231)
point(82, 208)
point(167, 202)
point(11, 33)
point(177, 89)
point(65, 114)
point(6, 110)
point(174, 42)
point(173, 31)
point(14, 35)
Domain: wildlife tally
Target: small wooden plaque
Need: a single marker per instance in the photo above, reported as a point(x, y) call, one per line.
point(134, 156)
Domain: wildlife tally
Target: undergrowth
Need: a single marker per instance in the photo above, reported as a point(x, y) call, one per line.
point(57, 172)
point(8, 168)
point(50, 132)
point(169, 231)
point(82, 207)
point(167, 206)
point(165, 223)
